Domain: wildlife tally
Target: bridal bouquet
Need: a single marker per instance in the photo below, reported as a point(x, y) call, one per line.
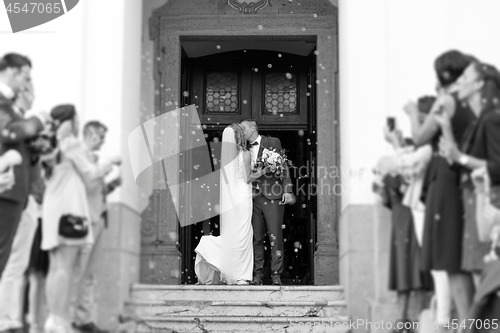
point(276, 162)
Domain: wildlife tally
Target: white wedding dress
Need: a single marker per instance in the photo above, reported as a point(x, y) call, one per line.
point(229, 257)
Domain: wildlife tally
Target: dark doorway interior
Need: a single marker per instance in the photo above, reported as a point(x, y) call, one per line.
point(295, 130)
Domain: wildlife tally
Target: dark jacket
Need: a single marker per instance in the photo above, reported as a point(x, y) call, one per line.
point(270, 186)
point(14, 131)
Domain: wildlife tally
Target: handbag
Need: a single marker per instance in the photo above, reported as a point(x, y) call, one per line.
point(72, 226)
point(487, 213)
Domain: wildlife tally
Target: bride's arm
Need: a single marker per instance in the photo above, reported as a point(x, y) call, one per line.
point(246, 164)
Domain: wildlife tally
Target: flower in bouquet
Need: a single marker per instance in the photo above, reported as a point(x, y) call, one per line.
point(275, 161)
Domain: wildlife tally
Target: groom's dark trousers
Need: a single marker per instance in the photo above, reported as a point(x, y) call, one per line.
point(267, 214)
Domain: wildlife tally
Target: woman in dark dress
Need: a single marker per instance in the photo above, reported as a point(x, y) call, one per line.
point(444, 216)
point(404, 269)
point(479, 86)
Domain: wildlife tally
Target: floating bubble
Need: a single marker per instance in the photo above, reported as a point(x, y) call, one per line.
point(315, 15)
point(185, 94)
point(256, 70)
point(283, 226)
point(289, 76)
point(296, 250)
point(174, 273)
point(308, 94)
point(281, 115)
point(316, 52)
point(278, 253)
point(300, 132)
point(260, 27)
point(218, 47)
point(318, 81)
point(296, 244)
point(304, 205)
point(303, 29)
point(269, 65)
point(245, 101)
point(279, 55)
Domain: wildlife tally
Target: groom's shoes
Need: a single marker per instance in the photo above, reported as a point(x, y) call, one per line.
point(257, 281)
point(276, 280)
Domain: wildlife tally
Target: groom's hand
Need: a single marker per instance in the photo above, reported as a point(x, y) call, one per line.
point(286, 198)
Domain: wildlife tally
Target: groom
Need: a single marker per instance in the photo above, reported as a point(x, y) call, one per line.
point(270, 195)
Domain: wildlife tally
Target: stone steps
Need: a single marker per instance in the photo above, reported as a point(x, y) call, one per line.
point(242, 324)
point(238, 308)
point(237, 293)
point(201, 308)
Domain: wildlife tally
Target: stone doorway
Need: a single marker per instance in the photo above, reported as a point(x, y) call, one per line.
point(205, 20)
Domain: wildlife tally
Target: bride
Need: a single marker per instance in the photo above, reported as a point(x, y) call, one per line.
point(228, 259)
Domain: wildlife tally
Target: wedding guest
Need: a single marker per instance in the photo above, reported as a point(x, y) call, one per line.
point(67, 174)
point(402, 180)
point(479, 86)
point(444, 215)
point(12, 282)
point(94, 134)
point(15, 73)
point(414, 165)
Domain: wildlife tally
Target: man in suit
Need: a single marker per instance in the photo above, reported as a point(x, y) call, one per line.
point(270, 194)
point(15, 72)
point(94, 134)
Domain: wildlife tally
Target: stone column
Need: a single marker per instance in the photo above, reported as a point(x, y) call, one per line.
point(326, 261)
point(160, 256)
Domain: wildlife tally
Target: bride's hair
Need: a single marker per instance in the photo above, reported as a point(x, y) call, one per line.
point(241, 143)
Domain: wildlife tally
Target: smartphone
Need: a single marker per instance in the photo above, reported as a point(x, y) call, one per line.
point(391, 123)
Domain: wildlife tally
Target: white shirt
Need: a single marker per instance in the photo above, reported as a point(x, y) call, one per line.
point(255, 150)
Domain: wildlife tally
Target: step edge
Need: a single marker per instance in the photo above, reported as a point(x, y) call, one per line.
point(245, 319)
point(341, 303)
point(142, 286)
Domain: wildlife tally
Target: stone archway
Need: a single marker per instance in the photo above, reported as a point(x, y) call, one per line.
point(209, 18)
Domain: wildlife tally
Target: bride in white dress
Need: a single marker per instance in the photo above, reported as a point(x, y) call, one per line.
point(228, 259)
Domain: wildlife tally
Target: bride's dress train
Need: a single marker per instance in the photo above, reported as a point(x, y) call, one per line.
point(229, 257)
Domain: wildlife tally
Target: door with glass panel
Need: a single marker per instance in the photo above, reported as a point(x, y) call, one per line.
point(274, 89)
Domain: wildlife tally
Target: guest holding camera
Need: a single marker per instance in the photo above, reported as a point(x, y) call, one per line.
point(12, 282)
point(66, 223)
point(15, 73)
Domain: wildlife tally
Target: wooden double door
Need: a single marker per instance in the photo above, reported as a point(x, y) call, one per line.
point(278, 91)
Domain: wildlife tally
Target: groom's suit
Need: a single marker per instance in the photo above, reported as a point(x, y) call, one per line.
point(268, 213)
